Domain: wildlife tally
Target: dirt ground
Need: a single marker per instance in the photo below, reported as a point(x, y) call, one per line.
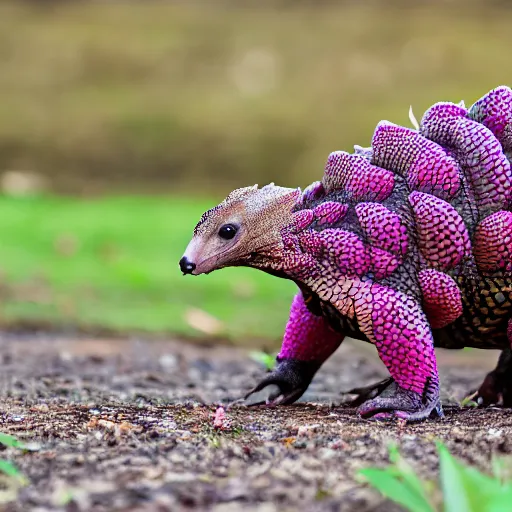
point(129, 425)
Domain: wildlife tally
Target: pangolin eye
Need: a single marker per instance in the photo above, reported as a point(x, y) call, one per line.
point(228, 231)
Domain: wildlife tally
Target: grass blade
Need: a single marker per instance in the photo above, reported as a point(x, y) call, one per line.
point(453, 485)
point(10, 470)
point(390, 486)
point(10, 441)
point(406, 472)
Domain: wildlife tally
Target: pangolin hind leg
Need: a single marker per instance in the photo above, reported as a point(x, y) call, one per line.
point(441, 303)
point(497, 385)
point(401, 332)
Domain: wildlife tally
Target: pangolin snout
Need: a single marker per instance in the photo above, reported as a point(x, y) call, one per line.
point(187, 266)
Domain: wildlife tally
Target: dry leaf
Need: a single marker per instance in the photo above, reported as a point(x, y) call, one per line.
point(203, 321)
point(111, 426)
point(21, 183)
point(288, 441)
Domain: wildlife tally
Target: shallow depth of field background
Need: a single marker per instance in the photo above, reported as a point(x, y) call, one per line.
point(120, 123)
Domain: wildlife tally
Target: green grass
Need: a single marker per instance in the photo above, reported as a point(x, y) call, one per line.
point(11, 479)
point(113, 263)
point(460, 488)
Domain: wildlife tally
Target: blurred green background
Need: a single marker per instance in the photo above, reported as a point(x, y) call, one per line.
point(121, 122)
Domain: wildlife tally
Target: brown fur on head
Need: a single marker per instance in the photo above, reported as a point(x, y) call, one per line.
point(244, 229)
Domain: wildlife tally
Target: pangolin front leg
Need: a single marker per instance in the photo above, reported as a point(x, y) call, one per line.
point(308, 342)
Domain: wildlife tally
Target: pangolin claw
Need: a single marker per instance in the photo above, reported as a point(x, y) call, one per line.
point(402, 404)
point(369, 392)
point(284, 385)
point(270, 395)
point(497, 385)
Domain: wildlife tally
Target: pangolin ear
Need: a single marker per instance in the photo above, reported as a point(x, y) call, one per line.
point(240, 193)
point(272, 200)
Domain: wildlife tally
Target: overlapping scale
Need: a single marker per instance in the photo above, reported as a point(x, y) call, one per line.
point(494, 110)
point(477, 150)
point(355, 174)
point(425, 165)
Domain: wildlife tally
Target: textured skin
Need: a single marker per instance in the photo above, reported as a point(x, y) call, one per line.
point(308, 337)
point(406, 245)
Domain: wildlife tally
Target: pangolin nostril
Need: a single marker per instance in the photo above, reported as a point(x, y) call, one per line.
point(186, 266)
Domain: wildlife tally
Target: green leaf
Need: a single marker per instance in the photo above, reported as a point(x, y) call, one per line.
point(267, 360)
point(464, 488)
point(391, 487)
point(406, 472)
point(476, 480)
point(467, 486)
point(9, 469)
point(452, 483)
point(500, 502)
point(469, 401)
point(10, 441)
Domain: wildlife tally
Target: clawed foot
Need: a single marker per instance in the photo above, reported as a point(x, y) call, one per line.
point(497, 385)
point(381, 401)
point(371, 391)
point(284, 385)
point(404, 404)
point(495, 390)
point(386, 400)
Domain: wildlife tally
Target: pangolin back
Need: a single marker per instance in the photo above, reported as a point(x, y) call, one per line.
point(425, 211)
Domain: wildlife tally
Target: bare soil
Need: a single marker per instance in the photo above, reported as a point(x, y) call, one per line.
point(130, 425)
